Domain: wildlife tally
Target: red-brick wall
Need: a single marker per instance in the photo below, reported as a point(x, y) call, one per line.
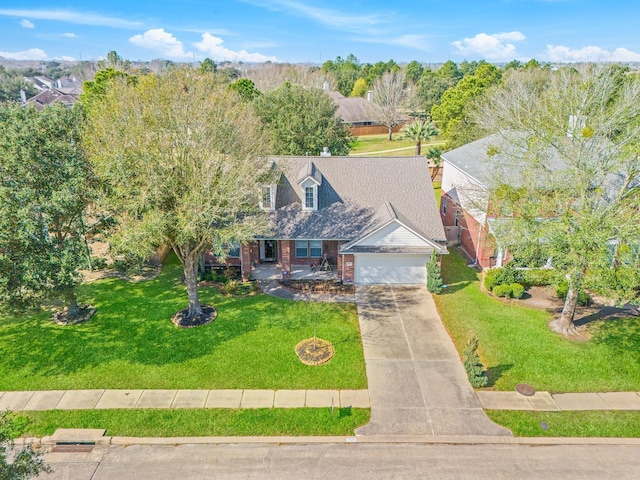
point(474, 237)
point(346, 273)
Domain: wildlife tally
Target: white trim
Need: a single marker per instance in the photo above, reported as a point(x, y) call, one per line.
point(395, 220)
point(272, 197)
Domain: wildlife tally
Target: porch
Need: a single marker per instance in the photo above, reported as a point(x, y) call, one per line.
point(273, 271)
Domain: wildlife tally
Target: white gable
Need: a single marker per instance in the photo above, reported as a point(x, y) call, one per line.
point(394, 235)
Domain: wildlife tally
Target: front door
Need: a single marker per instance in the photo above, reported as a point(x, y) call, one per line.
point(268, 250)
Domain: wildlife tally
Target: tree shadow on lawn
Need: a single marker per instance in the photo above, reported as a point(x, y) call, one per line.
point(621, 336)
point(133, 324)
point(494, 373)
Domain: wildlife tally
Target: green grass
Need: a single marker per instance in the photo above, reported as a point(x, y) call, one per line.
point(380, 143)
point(131, 342)
point(613, 423)
point(517, 346)
point(437, 189)
point(202, 422)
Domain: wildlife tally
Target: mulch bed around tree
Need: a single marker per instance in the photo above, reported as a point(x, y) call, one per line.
point(86, 312)
point(316, 352)
point(181, 319)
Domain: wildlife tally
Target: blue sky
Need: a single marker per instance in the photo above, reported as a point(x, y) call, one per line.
point(315, 31)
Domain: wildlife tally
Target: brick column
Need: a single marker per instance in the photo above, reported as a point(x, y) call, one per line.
point(349, 267)
point(245, 261)
point(285, 254)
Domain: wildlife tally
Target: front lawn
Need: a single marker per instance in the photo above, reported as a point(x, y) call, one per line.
point(131, 343)
point(611, 423)
point(517, 346)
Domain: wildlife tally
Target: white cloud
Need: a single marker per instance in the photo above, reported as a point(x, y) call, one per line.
point(71, 17)
point(69, 35)
point(67, 59)
point(161, 41)
point(31, 54)
point(559, 53)
point(331, 18)
point(490, 47)
point(212, 47)
point(27, 24)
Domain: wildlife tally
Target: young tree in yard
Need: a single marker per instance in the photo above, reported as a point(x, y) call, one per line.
point(301, 121)
point(390, 98)
point(26, 462)
point(419, 131)
point(435, 158)
point(181, 157)
point(569, 176)
point(45, 189)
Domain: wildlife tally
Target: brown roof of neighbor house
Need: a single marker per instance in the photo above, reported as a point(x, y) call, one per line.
point(354, 195)
point(351, 109)
point(51, 95)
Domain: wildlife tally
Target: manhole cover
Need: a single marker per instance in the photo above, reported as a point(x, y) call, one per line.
point(72, 448)
point(524, 389)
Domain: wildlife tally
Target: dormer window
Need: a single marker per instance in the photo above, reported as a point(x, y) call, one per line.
point(309, 178)
point(309, 198)
point(268, 197)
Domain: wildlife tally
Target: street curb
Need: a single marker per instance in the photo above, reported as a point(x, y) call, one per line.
point(373, 439)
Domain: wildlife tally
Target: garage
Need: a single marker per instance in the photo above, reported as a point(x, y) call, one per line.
point(390, 268)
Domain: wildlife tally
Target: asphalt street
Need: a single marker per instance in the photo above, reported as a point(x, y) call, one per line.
point(344, 461)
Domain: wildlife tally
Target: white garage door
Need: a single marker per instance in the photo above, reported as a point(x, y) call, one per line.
point(391, 268)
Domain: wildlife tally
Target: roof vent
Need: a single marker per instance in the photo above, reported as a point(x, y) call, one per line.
point(325, 152)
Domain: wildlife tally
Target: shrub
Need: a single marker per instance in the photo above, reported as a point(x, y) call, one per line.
point(503, 291)
point(490, 279)
point(231, 287)
point(539, 277)
point(517, 290)
point(472, 364)
point(98, 263)
point(434, 277)
point(562, 289)
point(509, 274)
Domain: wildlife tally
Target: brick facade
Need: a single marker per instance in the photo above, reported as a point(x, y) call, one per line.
point(346, 267)
point(475, 238)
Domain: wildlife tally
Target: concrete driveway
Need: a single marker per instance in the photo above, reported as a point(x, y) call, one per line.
point(417, 384)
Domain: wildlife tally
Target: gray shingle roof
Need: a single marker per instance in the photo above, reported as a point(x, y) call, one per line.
point(351, 195)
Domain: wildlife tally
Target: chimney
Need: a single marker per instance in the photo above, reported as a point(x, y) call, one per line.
point(59, 83)
point(370, 96)
point(325, 85)
point(325, 152)
point(23, 97)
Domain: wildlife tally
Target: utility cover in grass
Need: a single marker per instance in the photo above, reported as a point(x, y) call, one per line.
point(182, 319)
point(314, 351)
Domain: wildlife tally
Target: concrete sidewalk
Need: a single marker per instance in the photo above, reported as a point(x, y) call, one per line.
point(544, 401)
point(103, 399)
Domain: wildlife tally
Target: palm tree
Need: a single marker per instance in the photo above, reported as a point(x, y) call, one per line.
point(419, 132)
point(435, 157)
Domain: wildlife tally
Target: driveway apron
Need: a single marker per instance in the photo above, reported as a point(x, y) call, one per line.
point(417, 384)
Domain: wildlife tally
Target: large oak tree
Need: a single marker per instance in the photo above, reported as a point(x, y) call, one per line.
point(568, 174)
point(46, 185)
point(181, 156)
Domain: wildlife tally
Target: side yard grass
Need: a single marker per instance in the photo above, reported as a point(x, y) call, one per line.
point(131, 343)
point(517, 346)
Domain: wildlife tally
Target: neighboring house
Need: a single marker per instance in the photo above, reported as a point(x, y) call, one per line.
point(64, 90)
point(49, 96)
point(354, 112)
point(465, 202)
point(374, 219)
